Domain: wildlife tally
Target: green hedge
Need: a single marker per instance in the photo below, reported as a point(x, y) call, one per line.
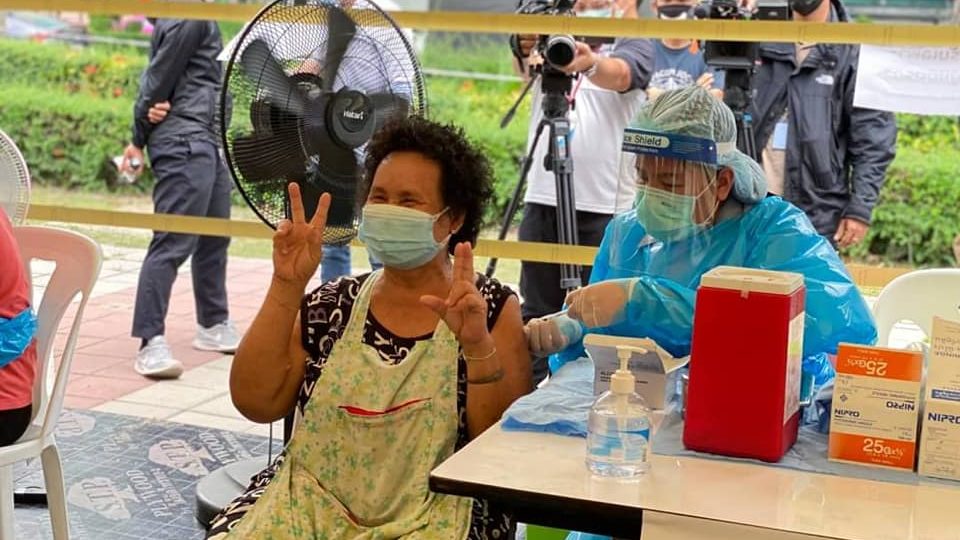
point(918, 214)
point(65, 69)
point(87, 95)
point(478, 107)
point(66, 139)
point(69, 110)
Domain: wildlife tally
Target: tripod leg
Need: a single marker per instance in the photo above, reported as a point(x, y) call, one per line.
point(515, 199)
point(562, 165)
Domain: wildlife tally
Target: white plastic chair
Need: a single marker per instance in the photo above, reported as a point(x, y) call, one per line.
point(78, 260)
point(918, 297)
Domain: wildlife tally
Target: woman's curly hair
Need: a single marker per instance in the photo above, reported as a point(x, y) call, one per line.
point(465, 174)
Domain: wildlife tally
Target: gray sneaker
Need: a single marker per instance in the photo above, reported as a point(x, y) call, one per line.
point(156, 361)
point(221, 337)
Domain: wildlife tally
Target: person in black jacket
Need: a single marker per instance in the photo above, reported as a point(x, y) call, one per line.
point(818, 150)
point(175, 119)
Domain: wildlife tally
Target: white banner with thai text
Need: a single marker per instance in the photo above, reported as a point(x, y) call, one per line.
point(919, 80)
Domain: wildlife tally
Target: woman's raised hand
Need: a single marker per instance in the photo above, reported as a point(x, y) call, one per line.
point(298, 243)
point(464, 311)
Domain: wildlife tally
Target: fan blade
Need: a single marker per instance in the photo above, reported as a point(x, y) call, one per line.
point(262, 158)
point(387, 106)
point(265, 71)
point(338, 177)
point(340, 32)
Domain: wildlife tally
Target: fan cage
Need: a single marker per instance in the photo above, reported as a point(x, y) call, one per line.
point(380, 59)
point(14, 181)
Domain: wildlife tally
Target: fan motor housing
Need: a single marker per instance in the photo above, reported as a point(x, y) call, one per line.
point(351, 118)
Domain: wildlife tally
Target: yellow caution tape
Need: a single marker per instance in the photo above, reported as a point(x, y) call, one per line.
point(753, 31)
point(864, 276)
point(157, 222)
point(528, 251)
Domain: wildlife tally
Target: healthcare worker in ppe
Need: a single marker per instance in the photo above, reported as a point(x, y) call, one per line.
point(700, 204)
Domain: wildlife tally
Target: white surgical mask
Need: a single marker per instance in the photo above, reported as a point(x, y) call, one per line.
point(604, 12)
point(400, 237)
point(666, 215)
point(597, 12)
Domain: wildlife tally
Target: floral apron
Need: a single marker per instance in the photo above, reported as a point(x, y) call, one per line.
point(358, 465)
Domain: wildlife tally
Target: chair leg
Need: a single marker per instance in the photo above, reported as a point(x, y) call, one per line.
point(56, 494)
point(6, 502)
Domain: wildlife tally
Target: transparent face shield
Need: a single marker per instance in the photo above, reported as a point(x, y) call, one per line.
point(675, 177)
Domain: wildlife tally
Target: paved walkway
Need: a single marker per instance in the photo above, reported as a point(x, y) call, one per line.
point(102, 376)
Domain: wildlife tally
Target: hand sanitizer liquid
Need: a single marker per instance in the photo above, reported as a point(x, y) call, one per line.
point(618, 429)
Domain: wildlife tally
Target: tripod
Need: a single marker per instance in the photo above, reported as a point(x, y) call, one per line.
point(737, 94)
point(555, 86)
point(738, 61)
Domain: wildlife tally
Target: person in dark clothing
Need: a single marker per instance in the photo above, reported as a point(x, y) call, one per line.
point(175, 118)
point(818, 150)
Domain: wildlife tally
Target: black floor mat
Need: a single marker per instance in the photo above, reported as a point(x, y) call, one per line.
point(129, 477)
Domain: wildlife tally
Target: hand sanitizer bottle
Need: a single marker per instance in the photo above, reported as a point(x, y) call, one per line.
point(618, 430)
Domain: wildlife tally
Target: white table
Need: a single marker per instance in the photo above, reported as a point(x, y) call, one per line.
point(543, 479)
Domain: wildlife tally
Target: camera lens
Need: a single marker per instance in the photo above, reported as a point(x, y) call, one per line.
point(560, 50)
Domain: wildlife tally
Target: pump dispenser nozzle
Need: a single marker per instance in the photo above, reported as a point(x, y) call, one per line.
point(623, 381)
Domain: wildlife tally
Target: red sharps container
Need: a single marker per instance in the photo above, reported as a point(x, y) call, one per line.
point(745, 363)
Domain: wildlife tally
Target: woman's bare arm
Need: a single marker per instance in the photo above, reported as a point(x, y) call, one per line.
point(486, 401)
point(269, 365)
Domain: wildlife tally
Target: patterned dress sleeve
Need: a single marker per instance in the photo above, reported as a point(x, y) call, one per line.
point(496, 294)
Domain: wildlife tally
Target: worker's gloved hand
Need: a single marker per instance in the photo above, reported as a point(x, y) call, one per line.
point(551, 334)
point(601, 304)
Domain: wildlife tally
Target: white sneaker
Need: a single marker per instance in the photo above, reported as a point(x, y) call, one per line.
point(156, 361)
point(221, 337)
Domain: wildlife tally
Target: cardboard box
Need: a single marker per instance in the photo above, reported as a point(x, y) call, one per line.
point(656, 373)
point(943, 374)
point(876, 399)
point(940, 440)
point(940, 435)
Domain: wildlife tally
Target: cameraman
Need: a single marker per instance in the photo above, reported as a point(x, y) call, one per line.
point(608, 91)
point(680, 62)
point(818, 150)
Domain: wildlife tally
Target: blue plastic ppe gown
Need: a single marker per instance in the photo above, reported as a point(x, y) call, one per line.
point(771, 235)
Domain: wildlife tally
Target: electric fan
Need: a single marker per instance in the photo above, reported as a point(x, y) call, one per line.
point(14, 181)
point(306, 86)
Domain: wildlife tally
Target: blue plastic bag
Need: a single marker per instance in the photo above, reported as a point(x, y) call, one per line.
point(561, 406)
point(16, 335)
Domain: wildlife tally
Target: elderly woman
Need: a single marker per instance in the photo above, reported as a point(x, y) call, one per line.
point(391, 371)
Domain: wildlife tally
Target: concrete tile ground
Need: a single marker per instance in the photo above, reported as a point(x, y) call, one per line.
point(102, 376)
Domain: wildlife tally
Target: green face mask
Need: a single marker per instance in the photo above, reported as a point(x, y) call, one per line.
point(665, 215)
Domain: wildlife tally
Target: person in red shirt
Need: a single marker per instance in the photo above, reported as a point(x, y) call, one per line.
point(17, 371)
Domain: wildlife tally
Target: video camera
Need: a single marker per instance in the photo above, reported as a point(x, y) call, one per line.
point(738, 59)
point(737, 54)
point(557, 50)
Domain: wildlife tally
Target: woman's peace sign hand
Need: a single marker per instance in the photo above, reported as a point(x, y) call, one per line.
point(298, 244)
point(464, 311)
